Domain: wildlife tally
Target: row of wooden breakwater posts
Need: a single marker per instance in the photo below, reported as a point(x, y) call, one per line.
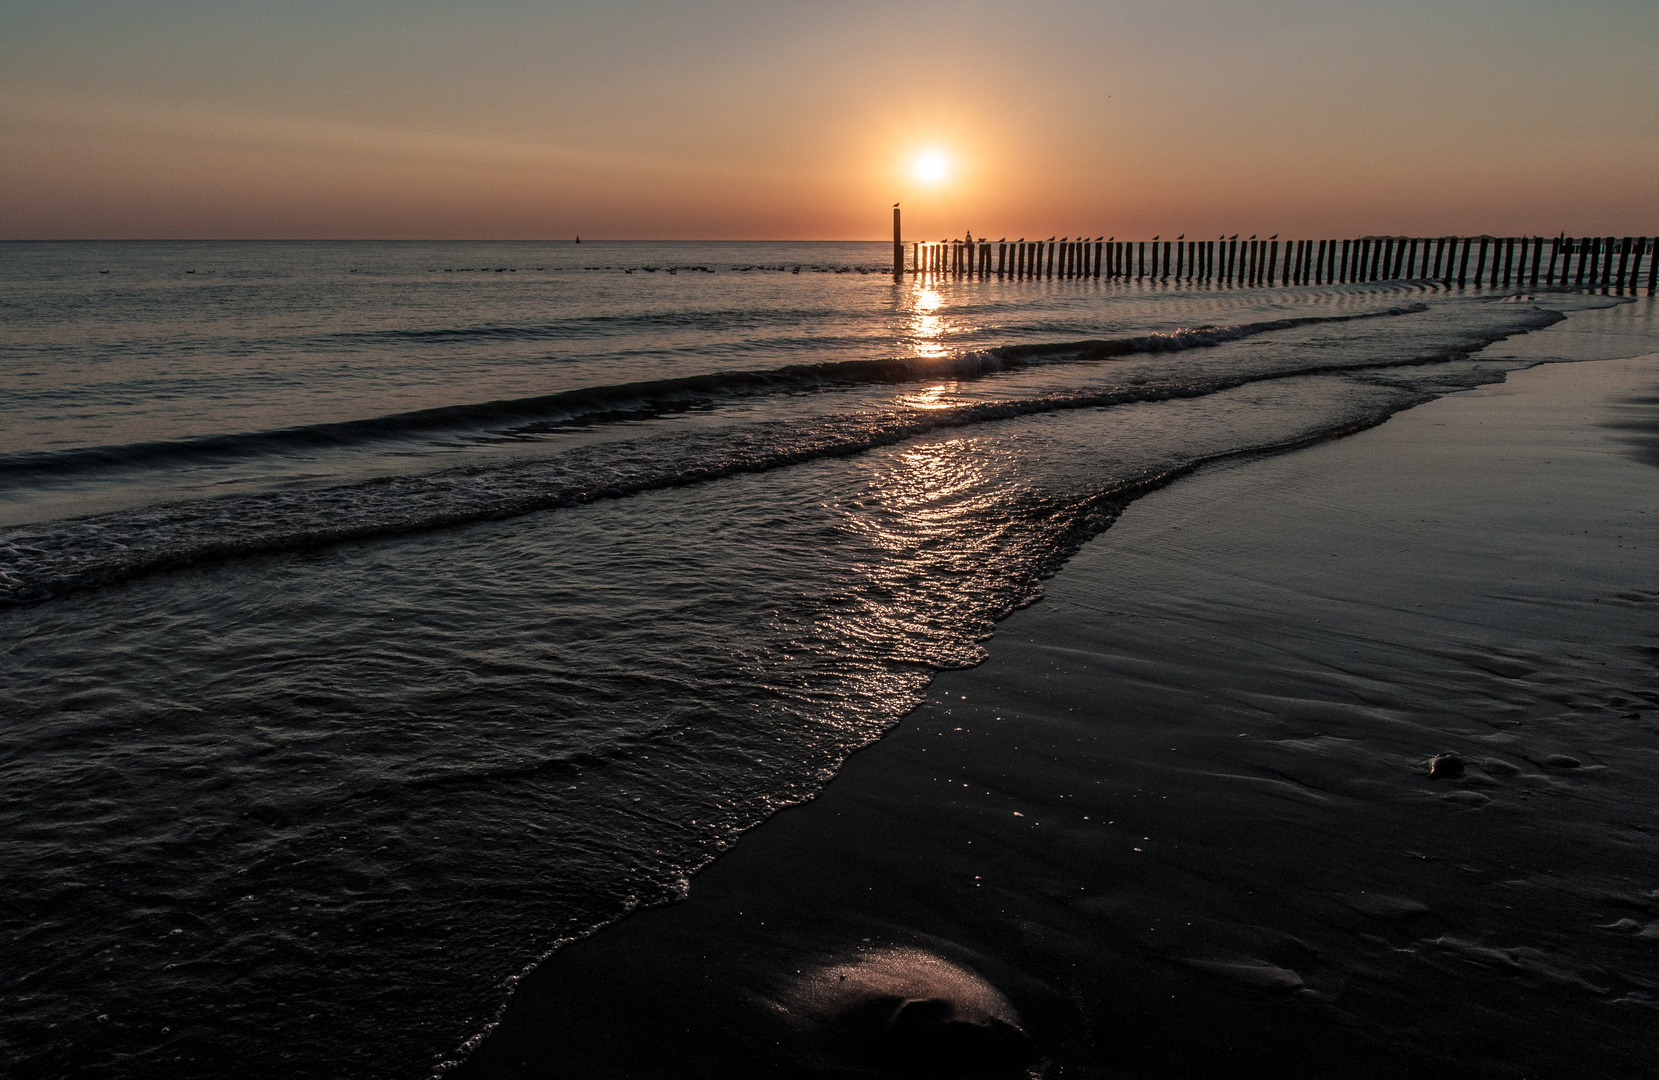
point(1614, 263)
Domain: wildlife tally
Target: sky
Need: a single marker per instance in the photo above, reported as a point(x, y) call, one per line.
point(644, 119)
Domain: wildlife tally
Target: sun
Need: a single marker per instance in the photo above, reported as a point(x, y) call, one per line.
point(931, 166)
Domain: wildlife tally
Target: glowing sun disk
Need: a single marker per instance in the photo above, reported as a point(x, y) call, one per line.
point(932, 166)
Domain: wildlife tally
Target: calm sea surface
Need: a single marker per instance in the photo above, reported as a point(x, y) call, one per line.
point(376, 617)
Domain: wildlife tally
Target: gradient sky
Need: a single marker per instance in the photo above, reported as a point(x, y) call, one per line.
point(642, 119)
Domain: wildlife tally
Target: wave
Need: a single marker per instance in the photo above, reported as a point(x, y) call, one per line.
point(635, 399)
point(39, 563)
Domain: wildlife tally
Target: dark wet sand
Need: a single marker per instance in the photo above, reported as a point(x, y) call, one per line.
point(1180, 824)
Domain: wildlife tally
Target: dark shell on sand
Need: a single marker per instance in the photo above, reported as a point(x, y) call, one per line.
point(1446, 766)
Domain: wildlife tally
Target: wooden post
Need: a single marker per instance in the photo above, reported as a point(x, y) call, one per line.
point(898, 248)
point(1652, 264)
point(1480, 266)
point(1463, 264)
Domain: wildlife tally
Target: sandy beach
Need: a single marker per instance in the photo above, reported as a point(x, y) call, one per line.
point(1182, 823)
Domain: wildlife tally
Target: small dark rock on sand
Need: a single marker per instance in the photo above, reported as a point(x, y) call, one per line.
point(1446, 766)
point(929, 1038)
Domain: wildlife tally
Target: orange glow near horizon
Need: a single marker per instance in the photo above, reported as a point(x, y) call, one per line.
point(666, 122)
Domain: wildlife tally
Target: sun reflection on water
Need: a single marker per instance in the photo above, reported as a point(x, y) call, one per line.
point(927, 326)
point(931, 398)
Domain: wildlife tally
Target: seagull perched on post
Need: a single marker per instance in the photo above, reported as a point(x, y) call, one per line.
point(1275, 236)
point(1183, 236)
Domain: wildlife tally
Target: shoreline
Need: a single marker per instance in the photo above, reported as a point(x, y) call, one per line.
point(1180, 822)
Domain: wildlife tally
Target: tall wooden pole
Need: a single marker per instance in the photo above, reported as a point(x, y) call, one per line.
point(898, 248)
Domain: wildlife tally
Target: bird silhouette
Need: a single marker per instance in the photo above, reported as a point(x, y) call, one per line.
point(895, 206)
point(1233, 237)
point(1004, 240)
point(1154, 238)
point(1183, 236)
point(1252, 236)
point(1275, 236)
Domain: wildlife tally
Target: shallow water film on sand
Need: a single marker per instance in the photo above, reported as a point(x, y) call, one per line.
point(378, 617)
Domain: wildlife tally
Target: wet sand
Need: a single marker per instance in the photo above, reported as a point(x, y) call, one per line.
point(1182, 822)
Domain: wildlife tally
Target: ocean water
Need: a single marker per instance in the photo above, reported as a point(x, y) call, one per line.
point(375, 618)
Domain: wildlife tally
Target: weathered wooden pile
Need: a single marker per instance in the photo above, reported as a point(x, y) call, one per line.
point(1612, 263)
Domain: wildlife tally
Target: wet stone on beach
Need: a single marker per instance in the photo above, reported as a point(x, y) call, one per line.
point(1446, 766)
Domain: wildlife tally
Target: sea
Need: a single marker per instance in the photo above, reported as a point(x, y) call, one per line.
point(376, 618)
